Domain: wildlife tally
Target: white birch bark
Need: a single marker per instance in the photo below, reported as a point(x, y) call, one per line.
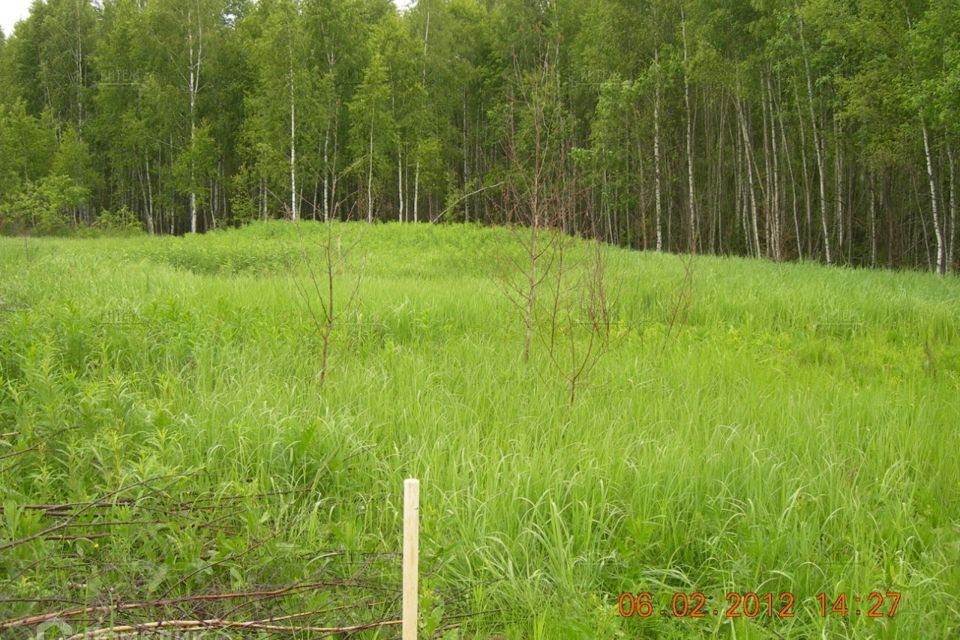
point(873, 221)
point(934, 202)
point(691, 200)
point(656, 151)
point(806, 174)
point(326, 175)
point(196, 60)
point(951, 243)
point(748, 152)
point(818, 146)
point(400, 181)
point(416, 191)
point(294, 213)
point(370, 176)
point(838, 185)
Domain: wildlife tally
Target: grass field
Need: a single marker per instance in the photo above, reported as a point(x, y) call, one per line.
point(800, 434)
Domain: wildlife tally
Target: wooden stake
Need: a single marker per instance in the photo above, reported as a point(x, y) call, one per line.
point(411, 552)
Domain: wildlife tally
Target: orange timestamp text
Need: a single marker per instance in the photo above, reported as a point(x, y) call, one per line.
point(754, 605)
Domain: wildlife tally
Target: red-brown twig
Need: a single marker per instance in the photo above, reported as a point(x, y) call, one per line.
point(216, 623)
point(74, 515)
point(29, 621)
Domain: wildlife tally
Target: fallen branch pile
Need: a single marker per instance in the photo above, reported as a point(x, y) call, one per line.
point(101, 592)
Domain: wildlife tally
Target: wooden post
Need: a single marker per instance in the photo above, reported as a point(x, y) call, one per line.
point(411, 552)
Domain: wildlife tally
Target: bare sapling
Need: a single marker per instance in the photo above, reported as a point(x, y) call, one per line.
point(679, 309)
point(534, 198)
point(579, 326)
point(320, 294)
point(559, 290)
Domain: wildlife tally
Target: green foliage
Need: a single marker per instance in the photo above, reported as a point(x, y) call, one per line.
point(288, 100)
point(122, 222)
point(434, 174)
point(45, 206)
point(196, 166)
point(49, 57)
point(27, 146)
point(797, 126)
point(372, 135)
point(73, 160)
point(616, 138)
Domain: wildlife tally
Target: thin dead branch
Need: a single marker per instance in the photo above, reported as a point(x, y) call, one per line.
point(79, 512)
point(217, 623)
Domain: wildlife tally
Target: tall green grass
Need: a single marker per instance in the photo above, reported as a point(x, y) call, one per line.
point(800, 434)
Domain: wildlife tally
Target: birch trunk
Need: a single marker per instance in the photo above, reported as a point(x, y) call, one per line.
point(776, 198)
point(326, 174)
point(150, 224)
point(370, 177)
point(691, 211)
point(838, 186)
point(806, 174)
point(951, 244)
point(873, 220)
point(656, 151)
point(416, 192)
point(400, 181)
point(79, 61)
point(934, 202)
point(334, 180)
point(196, 59)
point(293, 144)
point(466, 167)
point(748, 153)
point(423, 80)
point(818, 146)
point(793, 178)
point(770, 190)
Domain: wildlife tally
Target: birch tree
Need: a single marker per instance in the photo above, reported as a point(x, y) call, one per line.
point(285, 96)
point(182, 34)
point(372, 129)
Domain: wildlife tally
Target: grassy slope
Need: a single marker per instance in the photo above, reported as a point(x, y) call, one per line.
point(800, 435)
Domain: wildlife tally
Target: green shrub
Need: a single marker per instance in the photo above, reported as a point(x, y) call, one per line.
point(43, 207)
point(121, 222)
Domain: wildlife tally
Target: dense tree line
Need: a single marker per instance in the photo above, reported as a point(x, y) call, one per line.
point(789, 129)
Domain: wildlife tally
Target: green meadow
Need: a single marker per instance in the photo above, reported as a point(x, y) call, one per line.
point(798, 431)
